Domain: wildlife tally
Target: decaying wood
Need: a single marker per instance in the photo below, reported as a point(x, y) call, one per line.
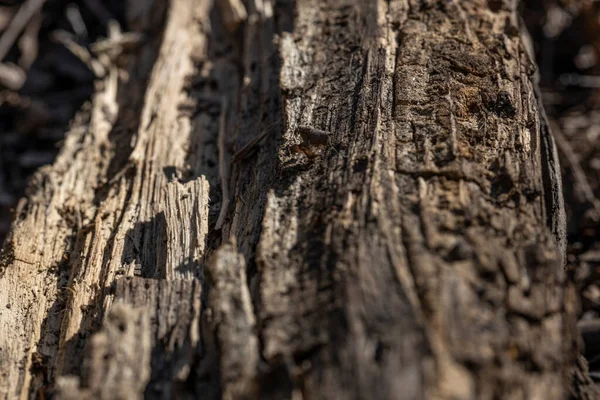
point(119, 363)
point(234, 324)
point(159, 318)
point(416, 253)
point(584, 388)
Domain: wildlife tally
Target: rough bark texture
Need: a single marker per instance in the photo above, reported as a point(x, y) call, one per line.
point(311, 199)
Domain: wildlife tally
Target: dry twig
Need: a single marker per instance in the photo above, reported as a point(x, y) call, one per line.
point(25, 13)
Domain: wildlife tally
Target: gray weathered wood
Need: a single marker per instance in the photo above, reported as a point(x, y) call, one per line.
point(309, 199)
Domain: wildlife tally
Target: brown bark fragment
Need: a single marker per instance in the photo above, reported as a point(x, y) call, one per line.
point(118, 366)
point(234, 323)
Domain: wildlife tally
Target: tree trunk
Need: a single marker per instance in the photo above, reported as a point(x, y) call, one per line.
point(312, 199)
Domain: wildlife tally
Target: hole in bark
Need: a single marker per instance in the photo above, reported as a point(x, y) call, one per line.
point(360, 165)
point(495, 5)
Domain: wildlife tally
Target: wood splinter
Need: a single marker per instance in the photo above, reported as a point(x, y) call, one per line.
point(311, 137)
point(224, 164)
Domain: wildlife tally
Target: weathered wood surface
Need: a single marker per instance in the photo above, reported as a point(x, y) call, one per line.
point(410, 254)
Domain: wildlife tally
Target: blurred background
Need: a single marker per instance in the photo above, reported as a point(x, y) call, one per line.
point(566, 36)
point(43, 84)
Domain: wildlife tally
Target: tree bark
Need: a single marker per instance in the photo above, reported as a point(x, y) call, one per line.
point(299, 199)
